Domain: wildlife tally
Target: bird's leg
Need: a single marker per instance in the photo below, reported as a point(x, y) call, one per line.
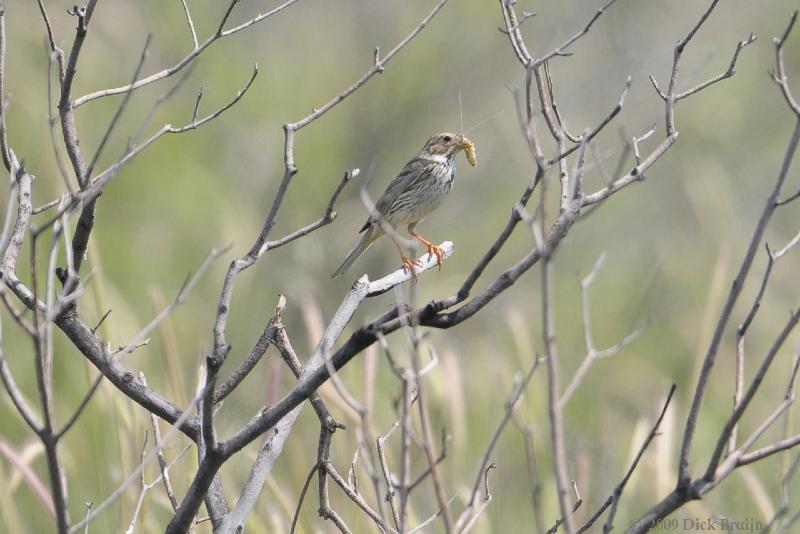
point(408, 264)
point(432, 249)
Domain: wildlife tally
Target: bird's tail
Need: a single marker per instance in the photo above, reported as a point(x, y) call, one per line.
point(369, 236)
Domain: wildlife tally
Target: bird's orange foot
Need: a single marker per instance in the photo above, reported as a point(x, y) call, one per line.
point(436, 251)
point(410, 266)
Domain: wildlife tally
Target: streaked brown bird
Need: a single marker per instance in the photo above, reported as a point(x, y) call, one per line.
point(420, 188)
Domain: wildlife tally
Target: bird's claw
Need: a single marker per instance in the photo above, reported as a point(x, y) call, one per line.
point(437, 251)
point(409, 266)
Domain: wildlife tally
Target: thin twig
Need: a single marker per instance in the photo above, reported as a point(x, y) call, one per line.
point(99, 181)
point(592, 353)
point(553, 381)
point(511, 407)
point(561, 49)
point(327, 217)
point(741, 332)
point(4, 149)
point(191, 24)
point(17, 397)
point(182, 63)
point(256, 353)
point(725, 75)
point(609, 525)
point(724, 318)
point(380, 442)
point(81, 406)
point(180, 299)
point(302, 497)
point(120, 490)
point(162, 461)
point(120, 108)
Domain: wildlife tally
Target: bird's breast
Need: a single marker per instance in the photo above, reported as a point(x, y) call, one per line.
point(430, 192)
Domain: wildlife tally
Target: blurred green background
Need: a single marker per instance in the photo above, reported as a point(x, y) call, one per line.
point(673, 242)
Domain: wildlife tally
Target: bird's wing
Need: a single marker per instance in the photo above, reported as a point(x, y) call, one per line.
point(414, 171)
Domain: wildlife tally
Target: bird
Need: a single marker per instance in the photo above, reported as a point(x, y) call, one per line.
point(414, 193)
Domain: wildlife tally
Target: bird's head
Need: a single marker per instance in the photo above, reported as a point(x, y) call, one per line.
point(447, 145)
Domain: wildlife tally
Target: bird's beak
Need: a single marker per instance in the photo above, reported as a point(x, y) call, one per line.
point(469, 149)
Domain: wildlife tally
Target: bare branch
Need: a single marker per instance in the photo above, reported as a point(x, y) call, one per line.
point(101, 179)
point(46, 206)
point(553, 382)
point(157, 103)
point(636, 140)
point(766, 423)
point(355, 497)
point(138, 508)
point(17, 397)
point(427, 439)
point(94, 349)
point(764, 452)
point(302, 497)
point(66, 110)
point(13, 195)
point(423, 524)
point(741, 332)
point(724, 318)
point(525, 16)
point(315, 369)
point(487, 498)
point(197, 100)
point(592, 353)
point(120, 108)
point(4, 150)
point(326, 468)
point(183, 62)
point(327, 217)
point(596, 130)
point(427, 261)
point(162, 461)
point(512, 30)
point(635, 174)
point(609, 525)
point(23, 182)
point(264, 462)
point(54, 60)
point(81, 406)
point(117, 493)
point(180, 299)
point(378, 65)
point(575, 508)
point(490, 254)
point(48, 26)
point(659, 92)
point(7, 268)
point(725, 75)
point(191, 25)
point(380, 442)
point(442, 456)
point(256, 353)
point(284, 426)
point(561, 49)
point(748, 396)
point(789, 246)
point(780, 70)
point(673, 80)
point(16, 313)
point(511, 407)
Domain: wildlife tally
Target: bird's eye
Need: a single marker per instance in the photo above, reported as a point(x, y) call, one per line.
point(447, 138)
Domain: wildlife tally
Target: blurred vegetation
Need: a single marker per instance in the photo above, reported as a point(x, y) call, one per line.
point(673, 242)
